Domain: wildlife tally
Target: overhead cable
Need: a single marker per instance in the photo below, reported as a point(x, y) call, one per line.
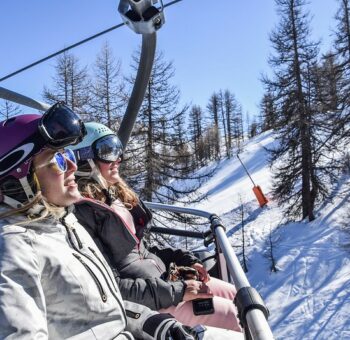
point(71, 47)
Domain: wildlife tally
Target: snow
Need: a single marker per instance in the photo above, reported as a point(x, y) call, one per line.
point(309, 296)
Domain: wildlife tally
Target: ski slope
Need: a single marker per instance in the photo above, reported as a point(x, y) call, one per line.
point(309, 296)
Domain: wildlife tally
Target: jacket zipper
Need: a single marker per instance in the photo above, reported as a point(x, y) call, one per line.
point(101, 271)
point(98, 284)
point(77, 238)
point(103, 265)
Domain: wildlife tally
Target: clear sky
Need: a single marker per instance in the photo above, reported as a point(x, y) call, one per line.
point(213, 44)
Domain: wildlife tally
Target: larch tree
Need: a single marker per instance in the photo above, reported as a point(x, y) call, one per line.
point(157, 152)
point(268, 119)
point(213, 107)
point(8, 109)
point(342, 48)
point(296, 182)
point(107, 99)
point(71, 84)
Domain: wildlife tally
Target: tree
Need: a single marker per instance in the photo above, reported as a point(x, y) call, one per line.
point(295, 54)
point(213, 109)
point(197, 136)
point(342, 47)
point(267, 113)
point(107, 98)
point(234, 119)
point(71, 84)
point(8, 109)
point(157, 150)
point(328, 84)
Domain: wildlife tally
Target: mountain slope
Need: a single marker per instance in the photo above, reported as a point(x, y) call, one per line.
point(309, 296)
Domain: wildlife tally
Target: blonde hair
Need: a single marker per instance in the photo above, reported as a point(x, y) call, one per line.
point(38, 208)
point(46, 210)
point(119, 190)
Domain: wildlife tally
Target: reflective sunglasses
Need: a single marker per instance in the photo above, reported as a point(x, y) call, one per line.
point(106, 149)
point(60, 126)
point(59, 160)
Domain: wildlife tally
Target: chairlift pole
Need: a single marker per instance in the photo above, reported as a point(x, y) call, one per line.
point(252, 311)
point(143, 18)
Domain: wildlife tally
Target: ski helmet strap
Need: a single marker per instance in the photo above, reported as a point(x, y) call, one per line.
point(11, 202)
point(95, 174)
point(27, 190)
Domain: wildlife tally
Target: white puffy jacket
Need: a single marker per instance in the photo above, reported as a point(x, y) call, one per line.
point(54, 283)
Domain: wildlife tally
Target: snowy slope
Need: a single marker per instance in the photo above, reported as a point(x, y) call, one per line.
point(309, 296)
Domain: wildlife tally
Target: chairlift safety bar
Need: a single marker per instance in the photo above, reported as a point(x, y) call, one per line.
point(257, 324)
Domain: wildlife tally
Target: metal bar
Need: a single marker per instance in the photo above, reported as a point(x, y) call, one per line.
point(140, 86)
point(258, 327)
point(189, 211)
point(177, 232)
point(23, 100)
point(246, 170)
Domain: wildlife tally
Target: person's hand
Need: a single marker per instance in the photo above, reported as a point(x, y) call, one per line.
point(177, 331)
point(196, 290)
point(203, 274)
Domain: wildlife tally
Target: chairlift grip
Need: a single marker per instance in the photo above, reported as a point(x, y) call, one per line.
point(141, 15)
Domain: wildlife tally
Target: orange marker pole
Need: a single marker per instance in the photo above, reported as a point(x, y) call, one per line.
point(256, 188)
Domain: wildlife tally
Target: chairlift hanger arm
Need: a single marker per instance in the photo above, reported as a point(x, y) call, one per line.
point(143, 18)
point(22, 100)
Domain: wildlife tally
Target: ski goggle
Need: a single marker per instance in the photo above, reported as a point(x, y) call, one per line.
point(106, 149)
point(60, 126)
point(59, 160)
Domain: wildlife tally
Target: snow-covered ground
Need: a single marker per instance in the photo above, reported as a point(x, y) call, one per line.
point(309, 296)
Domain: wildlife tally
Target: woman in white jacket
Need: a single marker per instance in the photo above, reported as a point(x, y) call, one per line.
point(54, 282)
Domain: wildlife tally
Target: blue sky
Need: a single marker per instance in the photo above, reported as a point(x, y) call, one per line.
point(213, 44)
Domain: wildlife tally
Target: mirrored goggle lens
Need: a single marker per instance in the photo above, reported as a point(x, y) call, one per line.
point(108, 149)
point(61, 126)
point(60, 159)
